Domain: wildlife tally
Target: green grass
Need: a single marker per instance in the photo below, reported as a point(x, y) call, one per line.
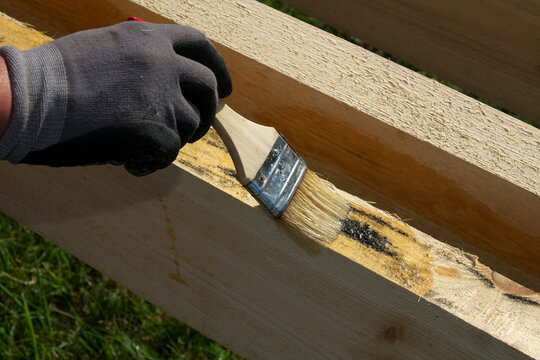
point(53, 306)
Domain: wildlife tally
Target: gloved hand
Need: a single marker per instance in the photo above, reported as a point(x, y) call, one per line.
point(132, 94)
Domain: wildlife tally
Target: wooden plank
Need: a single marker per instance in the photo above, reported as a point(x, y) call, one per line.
point(488, 48)
point(427, 147)
point(193, 242)
point(228, 270)
point(459, 169)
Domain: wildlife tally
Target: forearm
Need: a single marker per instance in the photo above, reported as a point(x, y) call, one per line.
point(5, 97)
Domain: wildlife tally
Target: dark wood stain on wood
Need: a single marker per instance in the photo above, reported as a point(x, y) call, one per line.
point(522, 299)
point(366, 235)
point(386, 246)
point(379, 220)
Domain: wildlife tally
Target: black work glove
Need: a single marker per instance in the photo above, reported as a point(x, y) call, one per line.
point(132, 94)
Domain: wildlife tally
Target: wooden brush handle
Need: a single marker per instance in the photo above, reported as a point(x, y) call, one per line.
point(248, 143)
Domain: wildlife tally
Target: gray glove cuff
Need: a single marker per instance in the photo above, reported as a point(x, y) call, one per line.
point(39, 91)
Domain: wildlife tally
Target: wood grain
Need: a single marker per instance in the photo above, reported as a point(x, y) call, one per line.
point(191, 240)
point(456, 167)
point(488, 48)
point(221, 264)
point(445, 157)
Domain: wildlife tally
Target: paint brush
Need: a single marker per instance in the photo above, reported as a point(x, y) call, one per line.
point(306, 205)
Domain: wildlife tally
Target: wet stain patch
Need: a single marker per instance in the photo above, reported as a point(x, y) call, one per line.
point(210, 160)
point(386, 246)
point(228, 171)
point(445, 302)
point(212, 138)
point(199, 170)
point(215, 144)
point(225, 177)
point(448, 272)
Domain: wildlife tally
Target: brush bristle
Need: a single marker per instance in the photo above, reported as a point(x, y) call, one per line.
point(316, 210)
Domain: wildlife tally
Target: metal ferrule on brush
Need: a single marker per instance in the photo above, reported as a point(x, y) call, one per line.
point(277, 179)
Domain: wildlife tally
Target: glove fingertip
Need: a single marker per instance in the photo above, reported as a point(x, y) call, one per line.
point(225, 87)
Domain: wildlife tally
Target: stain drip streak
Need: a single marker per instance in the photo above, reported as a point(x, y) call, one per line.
point(176, 276)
